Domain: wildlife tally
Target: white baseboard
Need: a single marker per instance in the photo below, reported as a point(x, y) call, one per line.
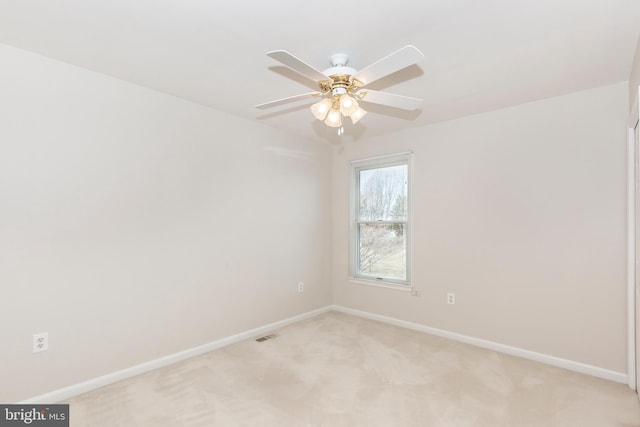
point(514, 351)
point(84, 387)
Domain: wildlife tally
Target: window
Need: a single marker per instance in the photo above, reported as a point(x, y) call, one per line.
point(380, 228)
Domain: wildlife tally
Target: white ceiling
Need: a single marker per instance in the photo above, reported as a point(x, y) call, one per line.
point(480, 55)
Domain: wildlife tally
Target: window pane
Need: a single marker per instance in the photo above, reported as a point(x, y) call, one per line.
point(383, 194)
point(382, 251)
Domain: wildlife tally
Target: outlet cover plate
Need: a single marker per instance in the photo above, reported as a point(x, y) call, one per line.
point(40, 342)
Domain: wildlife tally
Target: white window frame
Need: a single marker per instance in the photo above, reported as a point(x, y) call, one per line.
point(354, 168)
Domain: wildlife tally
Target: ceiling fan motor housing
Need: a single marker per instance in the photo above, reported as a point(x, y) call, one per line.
point(341, 84)
point(340, 74)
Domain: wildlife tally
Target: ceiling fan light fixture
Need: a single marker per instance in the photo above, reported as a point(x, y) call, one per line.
point(342, 86)
point(334, 118)
point(357, 115)
point(320, 109)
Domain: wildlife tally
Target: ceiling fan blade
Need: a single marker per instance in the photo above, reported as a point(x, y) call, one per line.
point(287, 100)
point(391, 63)
point(297, 64)
point(390, 99)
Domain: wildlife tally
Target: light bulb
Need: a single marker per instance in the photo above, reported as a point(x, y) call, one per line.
point(320, 109)
point(348, 105)
point(357, 115)
point(334, 118)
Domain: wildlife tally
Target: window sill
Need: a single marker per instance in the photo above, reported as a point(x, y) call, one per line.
point(388, 285)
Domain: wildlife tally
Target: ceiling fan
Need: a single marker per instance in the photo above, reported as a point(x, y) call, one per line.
point(341, 87)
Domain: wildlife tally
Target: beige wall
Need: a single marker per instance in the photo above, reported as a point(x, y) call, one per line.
point(134, 225)
point(634, 78)
point(521, 213)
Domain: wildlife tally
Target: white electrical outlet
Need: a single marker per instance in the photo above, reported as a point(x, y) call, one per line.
point(41, 342)
point(451, 298)
point(300, 287)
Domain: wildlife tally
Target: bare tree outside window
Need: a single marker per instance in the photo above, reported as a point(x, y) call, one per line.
point(381, 222)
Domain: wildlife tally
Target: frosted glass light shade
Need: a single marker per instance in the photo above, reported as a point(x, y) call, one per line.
point(320, 109)
point(348, 105)
point(334, 118)
point(357, 115)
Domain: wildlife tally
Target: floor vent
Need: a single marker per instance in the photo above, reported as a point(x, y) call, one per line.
point(266, 337)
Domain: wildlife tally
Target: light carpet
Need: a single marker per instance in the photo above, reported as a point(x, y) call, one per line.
point(339, 370)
